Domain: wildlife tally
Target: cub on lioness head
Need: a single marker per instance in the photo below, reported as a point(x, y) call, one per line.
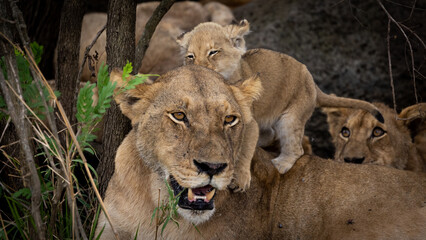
point(361, 139)
point(290, 94)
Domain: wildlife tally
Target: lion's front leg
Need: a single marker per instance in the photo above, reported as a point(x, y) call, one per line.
point(242, 174)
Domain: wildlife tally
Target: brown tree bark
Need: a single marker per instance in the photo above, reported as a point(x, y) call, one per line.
point(12, 93)
point(120, 48)
point(68, 49)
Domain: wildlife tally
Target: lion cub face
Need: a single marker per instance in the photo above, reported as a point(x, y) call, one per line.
point(214, 46)
point(360, 138)
point(189, 132)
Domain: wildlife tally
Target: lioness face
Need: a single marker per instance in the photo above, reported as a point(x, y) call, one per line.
point(215, 47)
point(360, 138)
point(189, 126)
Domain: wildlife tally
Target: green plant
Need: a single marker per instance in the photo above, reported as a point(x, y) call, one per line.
point(166, 211)
point(30, 92)
point(69, 205)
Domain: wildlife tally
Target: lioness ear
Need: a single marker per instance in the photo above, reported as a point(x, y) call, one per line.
point(248, 90)
point(413, 112)
point(127, 100)
point(237, 32)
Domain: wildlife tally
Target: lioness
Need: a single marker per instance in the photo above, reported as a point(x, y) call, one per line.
point(360, 138)
point(290, 94)
point(188, 131)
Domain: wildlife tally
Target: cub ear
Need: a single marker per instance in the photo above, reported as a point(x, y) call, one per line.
point(237, 32)
point(248, 90)
point(413, 112)
point(133, 101)
point(183, 39)
point(414, 117)
point(336, 117)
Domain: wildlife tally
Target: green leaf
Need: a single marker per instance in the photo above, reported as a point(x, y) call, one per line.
point(84, 103)
point(37, 51)
point(100, 233)
point(24, 192)
point(164, 225)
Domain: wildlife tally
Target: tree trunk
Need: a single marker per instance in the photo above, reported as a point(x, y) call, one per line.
point(67, 59)
point(120, 48)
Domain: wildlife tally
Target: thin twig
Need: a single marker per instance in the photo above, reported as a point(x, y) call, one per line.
point(4, 228)
point(5, 128)
point(149, 30)
point(390, 66)
point(6, 20)
point(415, 35)
point(409, 45)
point(157, 224)
point(353, 14)
point(412, 11)
point(88, 48)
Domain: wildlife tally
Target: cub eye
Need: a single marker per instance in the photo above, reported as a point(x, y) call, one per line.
point(179, 116)
point(213, 52)
point(190, 56)
point(345, 132)
point(377, 132)
point(230, 120)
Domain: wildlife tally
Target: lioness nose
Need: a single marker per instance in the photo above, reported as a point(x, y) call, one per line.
point(354, 160)
point(210, 168)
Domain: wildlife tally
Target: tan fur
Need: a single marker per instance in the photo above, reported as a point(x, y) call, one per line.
point(316, 199)
point(163, 53)
point(415, 117)
point(394, 148)
point(290, 94)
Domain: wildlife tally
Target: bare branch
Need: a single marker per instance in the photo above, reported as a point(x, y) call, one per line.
point(409, 45)
point(390, 66)
point(150, 27)
point(86, 53)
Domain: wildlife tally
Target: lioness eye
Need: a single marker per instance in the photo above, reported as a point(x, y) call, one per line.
point(180, 116)
point(213, 52)
point(377, 132)
point(190, 56)
point(230, 120)
point(345, 132)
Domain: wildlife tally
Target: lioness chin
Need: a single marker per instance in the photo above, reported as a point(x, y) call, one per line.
point(289, 97)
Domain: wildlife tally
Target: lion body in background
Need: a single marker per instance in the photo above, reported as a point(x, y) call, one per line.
point(163, 53)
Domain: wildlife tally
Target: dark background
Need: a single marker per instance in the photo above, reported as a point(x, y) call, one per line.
point(343, 44)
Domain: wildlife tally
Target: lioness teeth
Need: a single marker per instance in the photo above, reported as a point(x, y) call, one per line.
point(190, 195)
point(194, 197)
point(210, 195)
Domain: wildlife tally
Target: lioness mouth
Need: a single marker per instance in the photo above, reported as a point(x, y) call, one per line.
point(201, 198)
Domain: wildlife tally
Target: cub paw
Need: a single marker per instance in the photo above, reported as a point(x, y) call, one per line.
point(282, 164)
point(240, 183)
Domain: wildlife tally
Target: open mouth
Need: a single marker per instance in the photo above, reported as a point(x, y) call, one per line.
point(201, 198)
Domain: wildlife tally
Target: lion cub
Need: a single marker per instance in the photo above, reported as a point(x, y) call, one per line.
point(290, 94)
point(361, 139)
